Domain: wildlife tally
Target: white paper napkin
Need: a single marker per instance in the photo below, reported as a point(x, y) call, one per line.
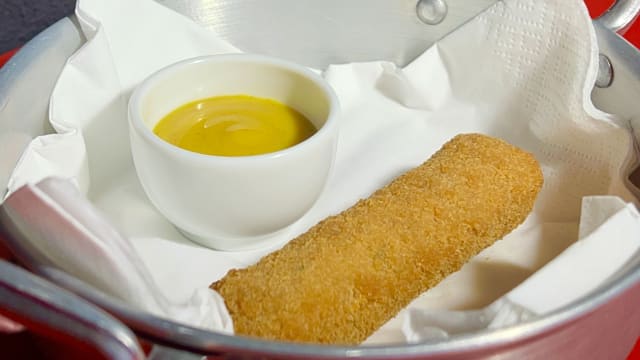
point(522, 71)
point(55, 224)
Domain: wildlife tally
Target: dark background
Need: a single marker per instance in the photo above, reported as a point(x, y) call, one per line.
point(20, 20)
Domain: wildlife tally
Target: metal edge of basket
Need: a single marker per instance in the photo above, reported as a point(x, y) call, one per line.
point(620, 16)
point(185, 337)
point(29, 299)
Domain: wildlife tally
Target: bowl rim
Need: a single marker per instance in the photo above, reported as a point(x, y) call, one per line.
point(170, 333)
point(328, 128)
point(167, 332)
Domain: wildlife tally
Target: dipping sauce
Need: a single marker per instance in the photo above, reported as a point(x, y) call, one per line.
point(235, 125)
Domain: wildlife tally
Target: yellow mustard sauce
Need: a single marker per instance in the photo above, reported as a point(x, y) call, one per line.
point(235, 125)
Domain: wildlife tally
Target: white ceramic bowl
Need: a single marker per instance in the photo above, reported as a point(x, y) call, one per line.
point(233, 203)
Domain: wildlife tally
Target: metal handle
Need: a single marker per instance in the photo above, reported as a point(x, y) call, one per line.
point(618, 19)
point(620, 16)
point(46, 309)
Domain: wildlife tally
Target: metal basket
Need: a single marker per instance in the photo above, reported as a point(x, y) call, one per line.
point(604, 324)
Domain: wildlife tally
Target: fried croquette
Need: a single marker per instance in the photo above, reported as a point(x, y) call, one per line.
point(352, 272)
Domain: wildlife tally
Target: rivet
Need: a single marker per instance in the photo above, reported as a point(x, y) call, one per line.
point(431, 12)
point(605, 72)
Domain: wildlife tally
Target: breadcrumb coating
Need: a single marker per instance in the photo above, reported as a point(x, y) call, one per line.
point(352, 272)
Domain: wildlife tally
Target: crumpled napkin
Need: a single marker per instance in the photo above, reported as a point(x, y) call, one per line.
point(56, 226)
point(521, 71)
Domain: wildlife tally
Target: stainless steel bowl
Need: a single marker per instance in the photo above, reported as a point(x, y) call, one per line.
point(602, 325)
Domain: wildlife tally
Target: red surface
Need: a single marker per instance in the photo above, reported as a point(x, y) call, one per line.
point(597, 7)
point(26, 345)
point(6, 56)
point(635, 353)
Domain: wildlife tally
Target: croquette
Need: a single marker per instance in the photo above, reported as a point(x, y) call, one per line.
point(352, 272)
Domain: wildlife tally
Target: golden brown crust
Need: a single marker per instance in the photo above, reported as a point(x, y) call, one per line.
point(352, 272)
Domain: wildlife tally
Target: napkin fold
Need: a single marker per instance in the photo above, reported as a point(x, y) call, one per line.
point(56, 225)
point(522, 71)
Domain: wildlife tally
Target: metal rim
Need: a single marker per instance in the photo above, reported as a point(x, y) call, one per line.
point(30, 299)
point(188, 338)
point(620, 16)
point(184, 337)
